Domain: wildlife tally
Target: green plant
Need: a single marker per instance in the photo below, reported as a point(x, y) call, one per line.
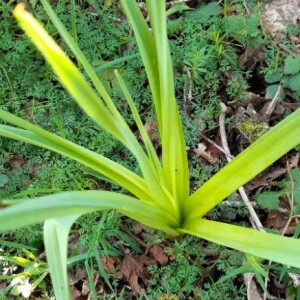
point(288, 77)
point(25, 282)
point(288, 188)
point(179, 276)
point(160, 193)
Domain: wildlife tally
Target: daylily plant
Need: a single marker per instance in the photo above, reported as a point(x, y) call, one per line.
point(160, 197)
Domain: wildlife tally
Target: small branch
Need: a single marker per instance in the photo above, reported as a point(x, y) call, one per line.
point(254, 220)
point(216, 146)
point(170, 3)
point(242, 192)
point(273, 103)
point(291, 199)
point(187, 99)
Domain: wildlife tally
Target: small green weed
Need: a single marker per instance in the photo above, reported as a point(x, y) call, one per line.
point(288, 76)
point(180, 275)
point(288, 190)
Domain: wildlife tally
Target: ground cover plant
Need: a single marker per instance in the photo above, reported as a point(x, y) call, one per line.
point(171, 202)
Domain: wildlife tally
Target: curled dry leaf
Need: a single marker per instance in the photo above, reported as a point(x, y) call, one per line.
point(201, 151)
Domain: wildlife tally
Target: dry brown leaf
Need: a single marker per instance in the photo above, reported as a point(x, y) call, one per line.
point(278, 220)
point(135, 267)
point(75, 294)
point(265, 178)
point(159, 255)
point(108, 263)
point(137, 227)
point(76, 275)
point(16, 162)
point(201, 150)
point(151, 129)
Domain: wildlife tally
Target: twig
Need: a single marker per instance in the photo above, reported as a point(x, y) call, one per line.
point(187, 99)
point(273, 103)
point(170, 3)
point(242, 192)
point(216, 145)
point(254, 220)
point(291, 199)
point(95, 282)
point(291, 217)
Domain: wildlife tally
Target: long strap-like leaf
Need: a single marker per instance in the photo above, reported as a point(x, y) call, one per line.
point(56, 232)
point(85, 96)
point(42, 138)
point(266, 245)
point(83, 202)
point(155, 53)
point(257, 157)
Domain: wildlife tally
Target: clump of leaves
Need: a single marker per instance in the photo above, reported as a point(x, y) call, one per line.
point(287, 189)
point(25, 272)
point(180, 275)
point(288, 77)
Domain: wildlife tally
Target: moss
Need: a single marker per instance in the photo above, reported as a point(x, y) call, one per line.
point(252, 130)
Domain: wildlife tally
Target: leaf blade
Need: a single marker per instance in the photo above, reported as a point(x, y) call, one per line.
point(266, 245)
point(82, 202)
point(42, 138)
point(257, 157)
point(56, 232)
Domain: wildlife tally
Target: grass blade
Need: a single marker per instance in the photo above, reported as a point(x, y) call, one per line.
point(175, 163)
point(266, 245)
point(147, 50)
point(261, 154)
point(73, 45)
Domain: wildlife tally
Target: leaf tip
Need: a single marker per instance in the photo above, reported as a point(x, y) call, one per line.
point(19, 10)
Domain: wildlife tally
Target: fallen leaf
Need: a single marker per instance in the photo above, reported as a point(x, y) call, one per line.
point(159, 255)
point(201, 151)
point(278, 220)
point(75, 294)
point(108, 263)
point(151, 129)
point(76, 275)
point(16, 162)
point(266, 178)
point(135, 267)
